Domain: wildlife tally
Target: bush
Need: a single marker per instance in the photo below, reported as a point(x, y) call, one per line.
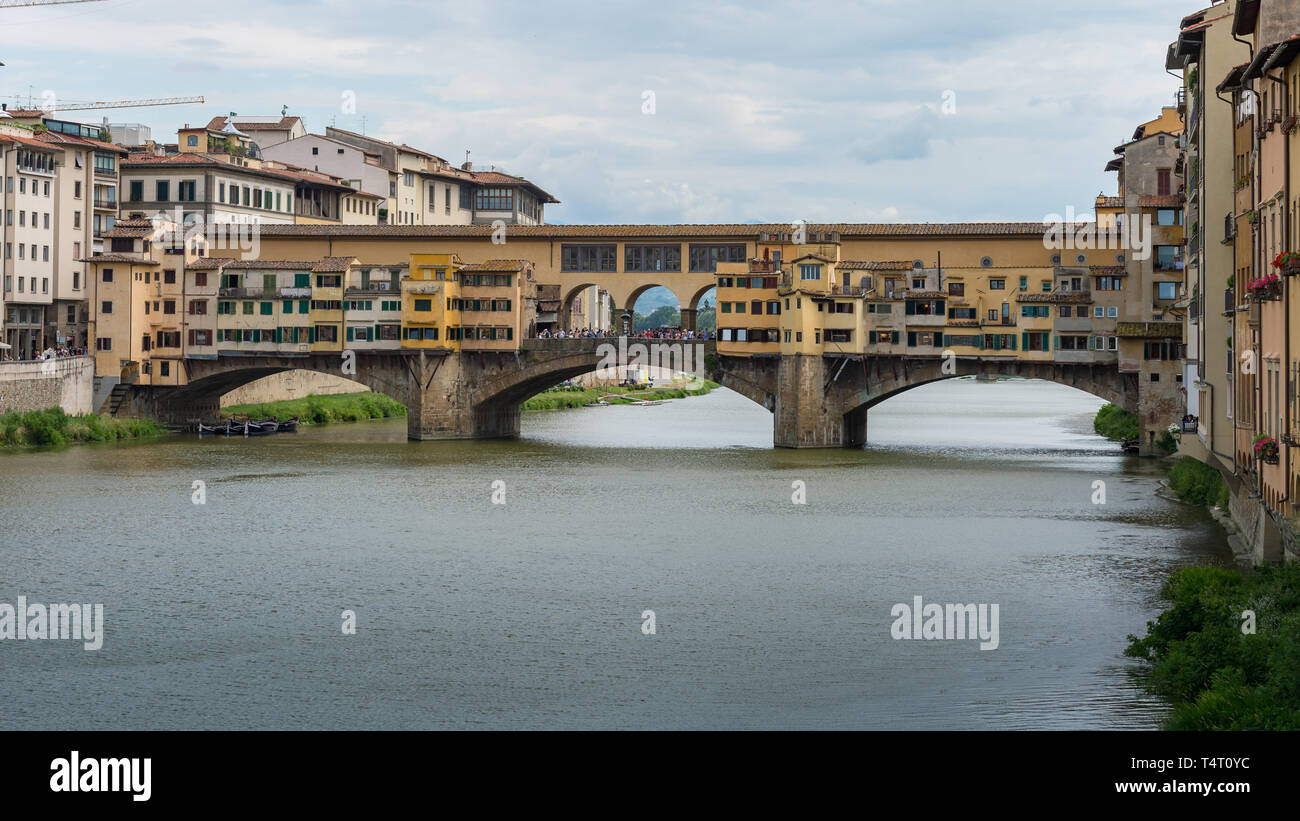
point(54, 426)
point(1114, 422)
point(1198, 483)
point(1218, 677)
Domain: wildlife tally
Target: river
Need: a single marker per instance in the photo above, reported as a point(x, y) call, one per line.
point(529, 614)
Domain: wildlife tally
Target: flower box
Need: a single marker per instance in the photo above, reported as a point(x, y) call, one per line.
point(1266, 288)
point(1266, 450)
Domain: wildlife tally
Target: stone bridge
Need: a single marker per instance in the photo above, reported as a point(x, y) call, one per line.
point(817, 402)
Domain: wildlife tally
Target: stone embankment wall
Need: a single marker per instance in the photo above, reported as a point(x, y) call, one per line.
point(279, 387)
point(68, 383)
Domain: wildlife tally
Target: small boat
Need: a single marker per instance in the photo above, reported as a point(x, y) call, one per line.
point(260, 428)
point(1130, 446)
point(288, 425)
point(211, 428)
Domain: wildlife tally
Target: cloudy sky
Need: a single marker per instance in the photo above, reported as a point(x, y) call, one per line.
point(659, 111)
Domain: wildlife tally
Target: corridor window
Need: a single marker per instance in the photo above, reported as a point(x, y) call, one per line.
point(494, 199)
point(810, 272)
point(705, 258)
point(588, 258)
point(652, 258)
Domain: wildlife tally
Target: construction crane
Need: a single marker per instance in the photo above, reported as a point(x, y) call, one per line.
point(93, 106)
point(13, 4)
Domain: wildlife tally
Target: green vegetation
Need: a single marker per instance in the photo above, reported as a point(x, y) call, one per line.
point(322, 410)
point(53, 426)
point(1222, 668)
point(705, 318)
point(1114, 422)
point(1198, 483)
point(564, 398)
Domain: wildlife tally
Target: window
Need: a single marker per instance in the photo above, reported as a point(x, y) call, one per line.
point(1024, 283)
point(1112, 312)
point(494, 199)
point(185, 190)
point(652, 258)
point(162, 189)
point(192, 139)
point(136, 193)
point(588, 258)
point(1169, 216)
point(956, 289)
point(809, 271)
point(1166, 290)
point(107, 274)
point(705, 258)
point(424, 305)
point(1162, 182)
point(105, 307)
point(1098, 311)
point(1169, 258)
point(997, 284)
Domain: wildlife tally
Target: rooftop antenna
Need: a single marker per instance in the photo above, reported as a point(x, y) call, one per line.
point(284, 109)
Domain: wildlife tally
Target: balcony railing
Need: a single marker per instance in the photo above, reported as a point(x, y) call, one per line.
point(294, 292)
point(1229, 227)
point(105, 202)
point(1229, 300)
point(242, 293)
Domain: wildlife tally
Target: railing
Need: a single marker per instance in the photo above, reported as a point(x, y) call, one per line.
point(1194, 309)
point(242, 293)
point(1229, 227)
point(376, 287)
point(1229, 300)
point(848, 290)
point(105, 202)
point(294, 292)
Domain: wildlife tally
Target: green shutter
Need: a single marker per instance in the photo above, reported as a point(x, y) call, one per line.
point(376, 336)
point(1024, 341)
point(946, 337)
point(894, 337)
point(349, 333)
point(1056, 342)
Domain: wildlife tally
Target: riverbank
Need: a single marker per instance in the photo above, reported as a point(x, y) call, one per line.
point(54, 426)
point(1118, 425)
point(1225, 651)
point(322, 410)
point(566, 398)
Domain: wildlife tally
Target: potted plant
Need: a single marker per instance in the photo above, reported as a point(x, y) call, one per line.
point(1266, 449)
point(1267, 287)
point(1288, 125)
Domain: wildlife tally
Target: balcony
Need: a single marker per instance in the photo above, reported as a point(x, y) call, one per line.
point(106, 202)
point(1229, 301)
point(293, 292)
point(377, 287)
point(1229, 228)
point(243, 293)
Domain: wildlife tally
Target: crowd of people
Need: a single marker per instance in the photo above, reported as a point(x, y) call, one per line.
point(651, 333)
point(59, 352)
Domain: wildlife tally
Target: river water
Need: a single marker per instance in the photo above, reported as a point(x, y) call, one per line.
point(529, 614)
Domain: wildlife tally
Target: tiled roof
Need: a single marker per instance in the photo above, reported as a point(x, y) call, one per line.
point(738, 230)
point(333, 265)
point(31, 142)
point(213, 263)
point(68, 139)
point(118, 258)
point(120, 231)
point(872, 265)
point(1108, 270)
point(963, 323)
point(290, 173)
point(511, 266)
point(285, 123)
point(926, 295)
point(209, 263)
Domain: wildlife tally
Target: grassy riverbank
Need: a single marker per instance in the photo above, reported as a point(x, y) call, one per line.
point(323, 410)
point(614, 395)
point(55, 427)
point(1198, 483)
point(1227, 650)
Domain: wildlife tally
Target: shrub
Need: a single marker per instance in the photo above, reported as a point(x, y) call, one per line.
point(1114, 422)
point(1197, 483)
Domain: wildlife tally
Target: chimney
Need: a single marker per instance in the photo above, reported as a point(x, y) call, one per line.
point(468, 166)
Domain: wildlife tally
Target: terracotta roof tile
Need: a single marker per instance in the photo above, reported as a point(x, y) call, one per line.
point(333, 264)
point(744, 231)
point(118, 258)
point(872, 265)
point(511, 266)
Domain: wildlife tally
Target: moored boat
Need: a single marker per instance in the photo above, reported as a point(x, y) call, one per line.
point(288, 425)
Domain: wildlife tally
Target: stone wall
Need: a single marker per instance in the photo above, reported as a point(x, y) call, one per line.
point(290, 385)
point(68, 383)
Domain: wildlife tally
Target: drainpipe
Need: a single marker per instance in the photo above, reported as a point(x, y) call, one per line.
point(1286, 292)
